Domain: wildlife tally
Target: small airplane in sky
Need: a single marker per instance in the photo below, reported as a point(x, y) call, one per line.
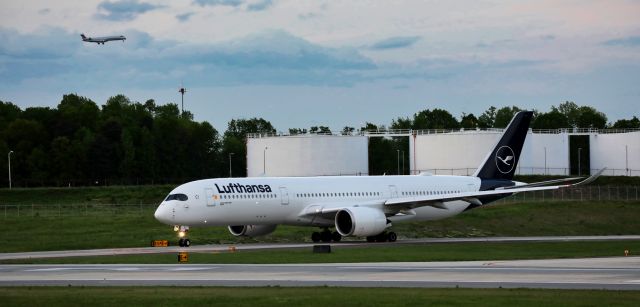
point(102, 40)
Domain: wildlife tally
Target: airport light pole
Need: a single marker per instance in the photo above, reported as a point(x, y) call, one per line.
point(230, 173)
point(264, 161)
point(9, 160)
point(398, 150)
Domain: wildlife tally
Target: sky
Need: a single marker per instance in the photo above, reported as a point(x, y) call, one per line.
point(303, 63)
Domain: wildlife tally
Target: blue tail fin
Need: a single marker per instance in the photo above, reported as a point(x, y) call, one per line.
point(501, 162)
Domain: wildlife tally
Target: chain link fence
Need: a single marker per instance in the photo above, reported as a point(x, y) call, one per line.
point(586, 193)
point(75, 210)
point(526, 170)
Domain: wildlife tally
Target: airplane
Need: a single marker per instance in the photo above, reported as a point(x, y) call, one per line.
point(102, 40)
point(356, 206)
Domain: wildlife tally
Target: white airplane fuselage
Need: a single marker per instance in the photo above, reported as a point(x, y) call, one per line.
point(285, 200)
point(359, 206)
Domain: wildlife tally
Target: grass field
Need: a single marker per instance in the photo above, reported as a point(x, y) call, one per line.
point(133, 228)
point(382, 253)
point(313, 296)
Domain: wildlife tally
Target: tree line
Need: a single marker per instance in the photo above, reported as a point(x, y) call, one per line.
point(79, 143)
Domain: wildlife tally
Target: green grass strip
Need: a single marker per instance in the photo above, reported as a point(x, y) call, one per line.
point(377, 253)
point(314, 296)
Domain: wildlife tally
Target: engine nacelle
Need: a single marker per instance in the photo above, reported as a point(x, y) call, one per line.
point(251, 230)
point(360, 221)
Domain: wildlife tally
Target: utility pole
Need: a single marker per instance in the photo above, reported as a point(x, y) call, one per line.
point(9, 159)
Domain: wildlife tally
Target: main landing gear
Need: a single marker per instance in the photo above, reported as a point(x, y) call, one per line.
point(326, 236)
point(182, 234)
point(383, 237)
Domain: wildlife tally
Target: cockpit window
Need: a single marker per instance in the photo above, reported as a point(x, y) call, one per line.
point(180, 197)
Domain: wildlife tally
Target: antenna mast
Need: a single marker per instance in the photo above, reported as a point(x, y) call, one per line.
point(182, 90)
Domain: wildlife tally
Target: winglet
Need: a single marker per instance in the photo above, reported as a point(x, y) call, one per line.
point(591, 178)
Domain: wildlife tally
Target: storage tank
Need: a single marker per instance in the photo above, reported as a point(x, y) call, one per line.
point(307, 155)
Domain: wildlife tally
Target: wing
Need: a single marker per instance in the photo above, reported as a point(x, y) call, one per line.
point(405, 204)
point(437, 201)
point(542, 183)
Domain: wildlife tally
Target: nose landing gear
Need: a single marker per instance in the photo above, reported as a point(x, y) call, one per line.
point(182, 234)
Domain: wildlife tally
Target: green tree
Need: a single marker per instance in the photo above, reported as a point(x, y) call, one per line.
point(348, 130)
point(627, 123)
point(320, 130)
point(469, 121)
point(504, 116)
point(63, 159)
point(589, 117)
point(76, 112)
point(234, 141)
point(401, 123)
point(8, 113)
point(571, 111)
point(550, 120)
point(436, 119)
point(488, 118)
point(296, 131)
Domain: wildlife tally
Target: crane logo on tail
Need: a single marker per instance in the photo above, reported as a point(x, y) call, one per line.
point(505, 159)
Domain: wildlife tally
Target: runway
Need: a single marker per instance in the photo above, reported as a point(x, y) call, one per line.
point(262, 246)
point(615, 273)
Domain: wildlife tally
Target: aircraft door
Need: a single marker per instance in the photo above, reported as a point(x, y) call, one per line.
point(212, 199)
point(393, 191)
point(284, 196)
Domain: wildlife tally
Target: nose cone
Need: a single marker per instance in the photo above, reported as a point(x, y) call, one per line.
point(162, 214)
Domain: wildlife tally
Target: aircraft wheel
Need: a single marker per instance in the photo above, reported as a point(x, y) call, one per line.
point(187, 242)
point(381, 237)
point(325, 236)
point(392, 236)
point(315, 237)
point(371, 239)
point(336, 237)
point(181, 242)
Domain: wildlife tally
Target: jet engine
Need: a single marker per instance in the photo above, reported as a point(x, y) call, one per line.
point(251, 230)
point(360, 221)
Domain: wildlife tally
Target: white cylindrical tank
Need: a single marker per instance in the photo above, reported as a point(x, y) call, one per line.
point(307, 155)
point(618, 152)
point(461, 153)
